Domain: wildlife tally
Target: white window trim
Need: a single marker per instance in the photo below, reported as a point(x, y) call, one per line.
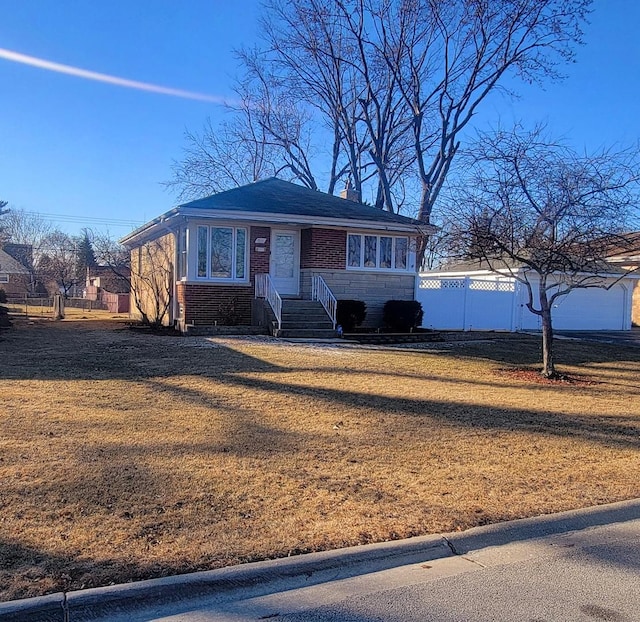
point(182, 245)
point(221, 279)
point(4, 278)
point(410, 260)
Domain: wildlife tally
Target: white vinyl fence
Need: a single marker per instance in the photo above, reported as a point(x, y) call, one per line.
point(498, 303)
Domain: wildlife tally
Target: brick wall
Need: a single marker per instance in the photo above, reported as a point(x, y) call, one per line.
point(635, 305)
point(152, 279)
point(323, 248)
point(206, 304)
point(18, 285)
point(259, 259)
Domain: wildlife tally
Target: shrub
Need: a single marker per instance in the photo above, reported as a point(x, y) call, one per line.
point(350, 313)
point(229, 312)
point(4, 312)
point(402, 315)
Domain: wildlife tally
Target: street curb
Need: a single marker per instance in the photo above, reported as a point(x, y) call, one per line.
point(498, 534)
point(270, 576)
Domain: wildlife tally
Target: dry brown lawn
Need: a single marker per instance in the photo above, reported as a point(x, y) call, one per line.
point(126, 455)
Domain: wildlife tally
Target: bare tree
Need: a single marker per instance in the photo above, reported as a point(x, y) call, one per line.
point(536, 210)
point(384, 89)
point(57, 261)
point(147, 269)
point(447, 57)
point(23, 227)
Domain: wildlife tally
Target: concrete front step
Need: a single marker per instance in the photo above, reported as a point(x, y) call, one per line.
point(314, 314)
point(304, 324)
point(305, 333)
point(304, 319)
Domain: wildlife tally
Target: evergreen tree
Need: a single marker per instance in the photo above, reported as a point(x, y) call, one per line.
point(86, 257)
point(3, 211)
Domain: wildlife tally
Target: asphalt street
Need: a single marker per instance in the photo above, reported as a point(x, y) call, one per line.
point(622, 337)
point(575, 566)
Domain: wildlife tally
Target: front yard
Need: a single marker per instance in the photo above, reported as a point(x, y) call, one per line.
point(125, 455)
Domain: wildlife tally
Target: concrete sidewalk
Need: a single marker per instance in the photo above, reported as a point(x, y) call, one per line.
point(579, 565)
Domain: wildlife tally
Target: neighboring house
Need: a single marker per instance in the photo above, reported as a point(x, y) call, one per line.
point(209, 259)
point(471, 297)
point(109, 286)
point(15, 278)
point(627, 256)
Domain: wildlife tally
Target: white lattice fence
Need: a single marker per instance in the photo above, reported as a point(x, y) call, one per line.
point(466, 303)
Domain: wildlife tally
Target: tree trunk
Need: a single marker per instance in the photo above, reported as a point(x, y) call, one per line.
point(548, 366)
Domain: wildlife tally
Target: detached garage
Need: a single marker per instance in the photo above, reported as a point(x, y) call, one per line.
point(484, 300)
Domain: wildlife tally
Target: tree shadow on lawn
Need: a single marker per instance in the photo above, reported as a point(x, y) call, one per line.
point(528, 351)
point(126, 356)
point(92, 482)
point(466, 414)
point(27, 571)
point(79, 351)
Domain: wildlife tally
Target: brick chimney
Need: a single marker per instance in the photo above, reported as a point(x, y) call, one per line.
point(349, 193)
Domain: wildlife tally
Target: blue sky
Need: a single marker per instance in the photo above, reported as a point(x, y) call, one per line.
point(86, 153)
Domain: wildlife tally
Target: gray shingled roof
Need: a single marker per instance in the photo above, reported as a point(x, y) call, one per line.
point(9, 265)
point(275, 196)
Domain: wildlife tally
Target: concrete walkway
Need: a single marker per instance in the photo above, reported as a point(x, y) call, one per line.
point(580, 565)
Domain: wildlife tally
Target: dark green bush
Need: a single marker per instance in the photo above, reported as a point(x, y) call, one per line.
point(401, 316)
point(229, 312)
point(350, 313)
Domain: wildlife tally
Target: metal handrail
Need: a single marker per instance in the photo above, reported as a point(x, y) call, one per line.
point(266, 289)
point(320, 291)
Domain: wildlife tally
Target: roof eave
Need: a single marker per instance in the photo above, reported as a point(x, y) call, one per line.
point(150, 229)
point(301, 219)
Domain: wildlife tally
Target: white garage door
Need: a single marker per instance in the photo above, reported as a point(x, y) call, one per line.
point(590, 309)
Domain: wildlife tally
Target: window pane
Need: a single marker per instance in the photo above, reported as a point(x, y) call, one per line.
point(284, 255)
point(401, 253)
point(221, 252)
point(241, 246)
point(202, 251)
point(370, 250)
point(182, 254)
point(385, 252)
point(355, 243)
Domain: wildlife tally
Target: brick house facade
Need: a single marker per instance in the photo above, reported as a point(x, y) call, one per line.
point(15, 277)
point(220, 244)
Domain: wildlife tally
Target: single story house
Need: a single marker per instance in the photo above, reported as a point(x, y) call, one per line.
point(226, 258)
point(470, 297)
point(15, 278)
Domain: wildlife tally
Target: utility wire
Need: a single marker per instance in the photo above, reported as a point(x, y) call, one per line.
point(68, 218)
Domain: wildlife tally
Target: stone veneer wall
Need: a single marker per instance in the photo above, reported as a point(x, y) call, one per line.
point(205, 304)
point(374, 288)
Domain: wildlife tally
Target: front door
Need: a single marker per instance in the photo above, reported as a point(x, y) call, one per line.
point(285, 261)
